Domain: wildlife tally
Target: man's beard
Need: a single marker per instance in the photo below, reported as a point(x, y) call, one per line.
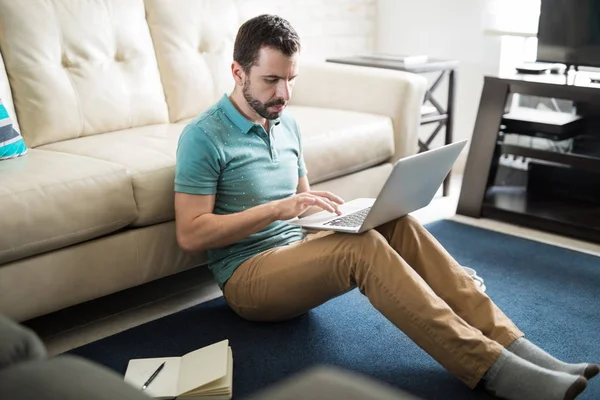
point(261, 109)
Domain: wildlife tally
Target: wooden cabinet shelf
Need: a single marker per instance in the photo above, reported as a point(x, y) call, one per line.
point(574, 160)
point(575, 218)
point(558, 209)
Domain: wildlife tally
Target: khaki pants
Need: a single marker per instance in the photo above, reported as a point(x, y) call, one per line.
point(404, 272)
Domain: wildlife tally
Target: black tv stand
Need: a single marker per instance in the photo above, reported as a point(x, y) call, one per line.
point(483, 196)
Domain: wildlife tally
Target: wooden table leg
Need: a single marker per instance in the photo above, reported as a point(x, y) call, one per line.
point(450, 122)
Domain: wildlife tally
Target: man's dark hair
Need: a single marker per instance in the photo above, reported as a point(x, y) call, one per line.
point(264, 30)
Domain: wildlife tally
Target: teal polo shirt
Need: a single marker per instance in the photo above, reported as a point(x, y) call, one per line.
point(222, 153)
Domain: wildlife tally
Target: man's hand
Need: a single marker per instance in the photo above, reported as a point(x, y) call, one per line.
point(296, 205)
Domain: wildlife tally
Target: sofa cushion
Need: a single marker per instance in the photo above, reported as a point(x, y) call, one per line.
point(194, 48)
point(148, 153)
point(79, 68)
point(338, 142)
point(52, 200)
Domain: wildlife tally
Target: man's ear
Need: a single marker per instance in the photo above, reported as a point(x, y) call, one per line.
point(238, 73)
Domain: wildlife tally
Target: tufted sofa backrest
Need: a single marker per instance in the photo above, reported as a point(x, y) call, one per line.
point(193, 40)
point(79, 68)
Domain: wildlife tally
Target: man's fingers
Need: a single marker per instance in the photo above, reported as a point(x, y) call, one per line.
point(307, 199)
point(324, 205)
point(333, 197)
point(329, 196)
point(334, 205)
point(313, 199)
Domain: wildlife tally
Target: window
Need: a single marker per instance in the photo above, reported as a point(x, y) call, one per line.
point(516, 21)
point(515, 50)
point(512, 17)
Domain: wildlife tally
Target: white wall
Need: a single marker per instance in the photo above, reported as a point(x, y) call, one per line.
point(444, 29)
point(327, 28)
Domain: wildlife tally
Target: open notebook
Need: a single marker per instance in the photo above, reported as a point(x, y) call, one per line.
point(206, 373)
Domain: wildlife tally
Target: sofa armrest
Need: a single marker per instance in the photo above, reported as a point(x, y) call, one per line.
point(65, 378)
point(396, 94)
point(18, 344)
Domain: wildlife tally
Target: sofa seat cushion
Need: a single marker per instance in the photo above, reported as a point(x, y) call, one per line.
point(148, 153)
point(52, 200)
point(338, 142)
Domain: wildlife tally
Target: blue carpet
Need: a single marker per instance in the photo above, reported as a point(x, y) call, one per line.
point(551, 294)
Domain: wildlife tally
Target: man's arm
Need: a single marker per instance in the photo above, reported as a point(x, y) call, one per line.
point(198, 228)
point(303, 185)
point(196, 176)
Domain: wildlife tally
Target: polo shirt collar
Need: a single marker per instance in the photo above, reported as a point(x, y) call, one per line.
point(237, 118)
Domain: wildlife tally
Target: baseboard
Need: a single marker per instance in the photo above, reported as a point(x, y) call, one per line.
point(104, 308)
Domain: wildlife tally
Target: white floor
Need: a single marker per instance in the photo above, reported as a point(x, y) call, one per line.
point(177, 296)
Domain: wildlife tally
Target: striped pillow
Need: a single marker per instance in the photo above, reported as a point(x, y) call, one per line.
point(11, 141)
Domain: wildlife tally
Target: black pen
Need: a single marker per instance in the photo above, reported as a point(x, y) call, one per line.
point(149, 381)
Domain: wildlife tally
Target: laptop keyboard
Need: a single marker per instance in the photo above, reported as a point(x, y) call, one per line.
point(350, 220)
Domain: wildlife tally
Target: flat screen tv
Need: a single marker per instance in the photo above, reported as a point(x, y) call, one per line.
point(569, 32)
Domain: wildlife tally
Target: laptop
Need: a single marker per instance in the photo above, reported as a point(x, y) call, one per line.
point(411, 185)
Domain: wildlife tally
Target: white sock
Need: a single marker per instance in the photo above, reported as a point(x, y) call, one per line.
point(514, 378)
point(530, 352)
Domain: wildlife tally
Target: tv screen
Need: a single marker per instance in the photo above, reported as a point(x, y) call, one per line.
point(569, 32)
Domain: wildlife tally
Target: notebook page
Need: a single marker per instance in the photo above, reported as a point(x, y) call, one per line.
point(221, 386)
point(165, 383)
point(203, 366)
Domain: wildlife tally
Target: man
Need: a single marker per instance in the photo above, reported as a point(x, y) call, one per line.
point(240, 175)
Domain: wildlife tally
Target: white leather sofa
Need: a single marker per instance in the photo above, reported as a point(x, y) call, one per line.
point(101, 92)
